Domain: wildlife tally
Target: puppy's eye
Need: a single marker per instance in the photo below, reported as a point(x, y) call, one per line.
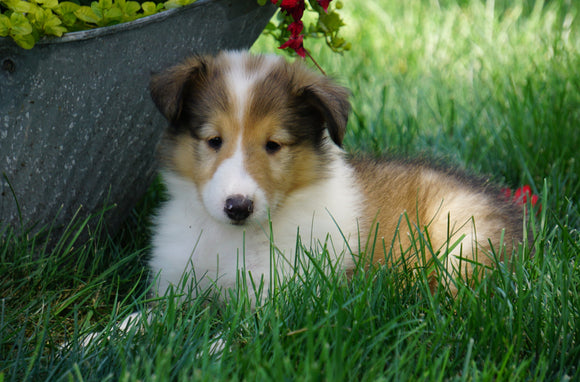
point(272, 147)
point(215, 143)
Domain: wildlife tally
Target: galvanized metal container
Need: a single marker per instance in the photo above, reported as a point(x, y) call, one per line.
point(78, 130)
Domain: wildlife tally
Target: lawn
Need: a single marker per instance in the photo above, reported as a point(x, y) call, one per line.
point(492, 87)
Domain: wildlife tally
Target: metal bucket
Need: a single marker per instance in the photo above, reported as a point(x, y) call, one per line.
point(78, 130)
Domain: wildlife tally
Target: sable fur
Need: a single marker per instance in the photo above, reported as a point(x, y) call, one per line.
point(415, 187)
point(262, 133)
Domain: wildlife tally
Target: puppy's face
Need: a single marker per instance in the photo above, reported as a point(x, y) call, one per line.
point(248, 131)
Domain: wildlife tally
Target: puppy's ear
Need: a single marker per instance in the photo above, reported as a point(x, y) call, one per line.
point(331, 101)
point(168, 87)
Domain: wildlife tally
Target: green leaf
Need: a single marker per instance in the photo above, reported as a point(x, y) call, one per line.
point(23, 7)
point(20, 25)
point(105, 4)
point(149, 8)
point(24, 41)
point(53, 25)
point(172, 4)
point(270, 27)
point(52, 21)
point(68, 19)
point(66, 11)
point(56, 30)
point(8, 3)
point(129, 9)
point(48, 4)
point(37, 17)
point(88, 15)
point(5, 25)
point(330, 22)
point(262, 2)
point(113, 16)
point(66, 7)
point(97, 10)
point(177, 3)
point(132, 7)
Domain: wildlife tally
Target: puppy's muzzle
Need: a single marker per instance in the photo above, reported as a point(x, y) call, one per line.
point(238, 208)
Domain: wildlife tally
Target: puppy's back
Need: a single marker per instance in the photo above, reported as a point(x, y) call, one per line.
point(403, 199)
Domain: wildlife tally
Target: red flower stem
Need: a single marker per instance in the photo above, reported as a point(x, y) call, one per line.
point(315, 63)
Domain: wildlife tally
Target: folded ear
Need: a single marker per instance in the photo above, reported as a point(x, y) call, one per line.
point(331, 101)
point(167, 88)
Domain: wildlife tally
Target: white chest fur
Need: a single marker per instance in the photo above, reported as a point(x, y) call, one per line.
point(188, 240)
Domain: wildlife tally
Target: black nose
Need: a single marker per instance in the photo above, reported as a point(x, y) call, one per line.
point(238, 208)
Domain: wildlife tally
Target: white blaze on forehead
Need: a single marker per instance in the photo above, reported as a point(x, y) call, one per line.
point(239, 78)
point(231, 178)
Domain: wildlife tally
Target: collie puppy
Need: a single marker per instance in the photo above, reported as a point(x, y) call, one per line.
point(252, 159)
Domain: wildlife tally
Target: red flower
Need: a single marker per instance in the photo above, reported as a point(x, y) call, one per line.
point(296, 39)
point(295, 28)
point(324, 4)
point(507, 193)
point(296, 44)
point(521, 195)
point(295, 8)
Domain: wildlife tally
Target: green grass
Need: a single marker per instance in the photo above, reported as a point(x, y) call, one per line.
point(493, 87)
